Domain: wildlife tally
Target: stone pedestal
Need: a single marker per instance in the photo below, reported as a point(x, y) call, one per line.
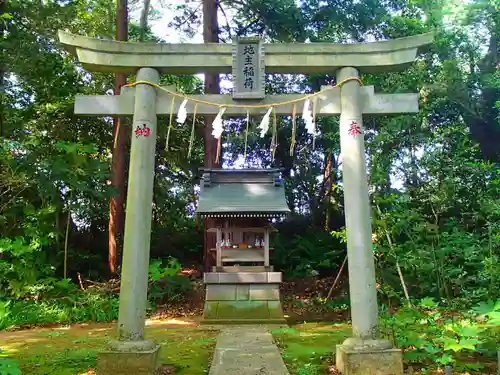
point(243, 297)
point(352, 361)
point(136, 362)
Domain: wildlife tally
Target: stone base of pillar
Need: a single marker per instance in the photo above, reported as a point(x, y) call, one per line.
point(137, 362)
point(351, 361)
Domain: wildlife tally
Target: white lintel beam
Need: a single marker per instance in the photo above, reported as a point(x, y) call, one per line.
point(314, 58)
point(328, 104)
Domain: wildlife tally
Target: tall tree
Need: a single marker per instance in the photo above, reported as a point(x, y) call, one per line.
point(478, 101)
point(144, 20)
point(210, 35)
point(117, 202)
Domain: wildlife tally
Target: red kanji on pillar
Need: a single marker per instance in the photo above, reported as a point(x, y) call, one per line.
point(145, 131)
point(354, 129)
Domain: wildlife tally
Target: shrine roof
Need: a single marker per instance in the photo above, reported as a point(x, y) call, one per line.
point(243, 193)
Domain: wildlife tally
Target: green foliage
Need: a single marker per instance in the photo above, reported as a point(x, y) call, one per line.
point(300, 250)
point(54, 166)
point(74, 307)
point(166, 284)
point(429, 235)
point(8, 366)
point(50, 300)
point(431, 337)
point(157, 271)
point(434, 336)
point(441, 219)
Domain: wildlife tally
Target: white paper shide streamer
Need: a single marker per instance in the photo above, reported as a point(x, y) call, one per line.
point(264, 124)
point(308, 117)
point(182, 114)
point(217, 124)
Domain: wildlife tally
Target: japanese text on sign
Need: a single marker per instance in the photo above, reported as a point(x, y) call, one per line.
point(143, 131)
point(354, 129)
point(249, 67)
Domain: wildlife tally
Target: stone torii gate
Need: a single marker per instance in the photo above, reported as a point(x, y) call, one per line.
point(363, 353)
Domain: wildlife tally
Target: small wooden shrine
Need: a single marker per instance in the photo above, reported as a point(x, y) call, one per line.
point(242, 203)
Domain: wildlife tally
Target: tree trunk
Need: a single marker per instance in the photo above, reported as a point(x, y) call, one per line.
point(116, 206)
point(328, 184)
point(144, 20)
point(483, 116)
point(210, 35)
point(3, 69)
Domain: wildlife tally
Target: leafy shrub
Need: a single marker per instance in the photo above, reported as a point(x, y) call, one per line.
point(166, 285)
point(170, 289)
point(61, 301)
point(301, 250)
point(8, 366)
point(434, 336)
point(49, 300)
point(23, 267)
point(84, 306)
point(57, 301)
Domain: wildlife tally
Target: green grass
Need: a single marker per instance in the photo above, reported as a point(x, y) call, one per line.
point(73, 351)
point(308, 349)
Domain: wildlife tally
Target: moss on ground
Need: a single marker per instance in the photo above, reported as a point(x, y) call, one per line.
point(308, 349)
point(72, 351)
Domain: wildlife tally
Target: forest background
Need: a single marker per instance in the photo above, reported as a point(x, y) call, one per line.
point(433, 176)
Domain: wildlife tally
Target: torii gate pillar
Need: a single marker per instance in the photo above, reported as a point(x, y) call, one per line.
point(132, 353)
point(364, 352)
point(137, 238)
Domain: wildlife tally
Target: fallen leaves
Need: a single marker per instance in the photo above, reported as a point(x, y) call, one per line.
point(166, 370)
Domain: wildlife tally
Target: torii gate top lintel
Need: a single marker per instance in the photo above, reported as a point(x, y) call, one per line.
point(102, 55)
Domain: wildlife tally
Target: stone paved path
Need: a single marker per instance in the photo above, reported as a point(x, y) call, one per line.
point(247, 350)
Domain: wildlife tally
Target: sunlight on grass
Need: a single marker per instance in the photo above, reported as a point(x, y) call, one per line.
point(73, 351)
point(156, 322)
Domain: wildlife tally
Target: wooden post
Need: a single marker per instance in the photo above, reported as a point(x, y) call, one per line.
point(498, 362)
point(219, 248)
point(226, 230)
point(266, 247)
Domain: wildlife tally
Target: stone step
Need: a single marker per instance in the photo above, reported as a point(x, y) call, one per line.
point(242, 277)
point(243, 269)
point(279, 322)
